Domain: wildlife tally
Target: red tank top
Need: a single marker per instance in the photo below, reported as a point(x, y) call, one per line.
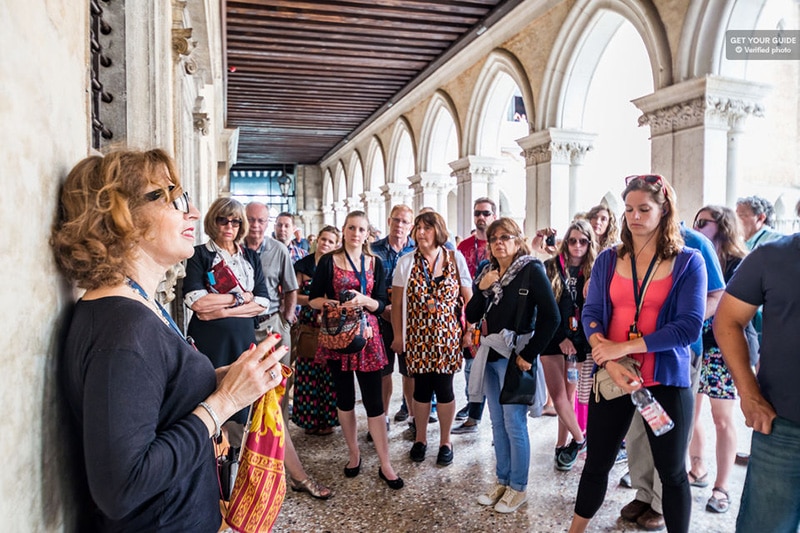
point(624, 311)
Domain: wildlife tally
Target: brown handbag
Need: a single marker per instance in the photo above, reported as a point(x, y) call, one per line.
point(605, 386)
point(305, 339)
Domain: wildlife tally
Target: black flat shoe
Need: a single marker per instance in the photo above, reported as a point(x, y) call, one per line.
point(395, 484)
point(353, 472)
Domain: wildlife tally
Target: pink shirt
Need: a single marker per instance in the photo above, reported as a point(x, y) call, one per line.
point(621, 293)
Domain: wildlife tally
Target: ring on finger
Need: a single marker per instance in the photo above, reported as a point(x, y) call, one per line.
point(272, 374)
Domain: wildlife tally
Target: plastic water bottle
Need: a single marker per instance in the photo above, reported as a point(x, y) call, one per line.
point(655, 415)
point(572, 369)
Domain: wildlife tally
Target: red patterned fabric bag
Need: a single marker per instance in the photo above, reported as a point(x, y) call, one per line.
point(261, 483)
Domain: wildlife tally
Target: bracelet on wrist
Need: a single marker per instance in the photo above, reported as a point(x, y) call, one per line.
point(214, 417)
point(238, 299)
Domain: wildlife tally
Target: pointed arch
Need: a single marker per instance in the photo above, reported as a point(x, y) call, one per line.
point(440, 140)
point(582, 39)
point(500, 62)
point(327, 188)
point(339, 182)
point(356, 172)
point(375, 170)
point(401, 162)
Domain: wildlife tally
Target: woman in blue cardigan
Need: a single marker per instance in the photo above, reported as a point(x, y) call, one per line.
point(646, 300)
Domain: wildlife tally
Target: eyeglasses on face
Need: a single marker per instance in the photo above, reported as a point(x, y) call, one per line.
point(400, 221)
point(650, 179)
point(701, 223)
point(482, 213)
point(181, 203)
point(582, 241)
point(224, 221)
point(260, 221)
point(503, 238)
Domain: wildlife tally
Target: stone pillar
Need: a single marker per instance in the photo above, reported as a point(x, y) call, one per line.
point(473, 176)
point(353, 203)
point(694, 127)
point(552, 172)
point(395, 193)
point(328, 217)
point(430, 189)
point(339, 212)
point(373, 207)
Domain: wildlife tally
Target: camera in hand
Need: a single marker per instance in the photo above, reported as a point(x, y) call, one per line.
point(346, 296)
point(550, 240)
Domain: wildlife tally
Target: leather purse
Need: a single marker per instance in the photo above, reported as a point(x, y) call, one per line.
point(305, 339)
point(606, 387)
point(221, 279)
point(519, 387)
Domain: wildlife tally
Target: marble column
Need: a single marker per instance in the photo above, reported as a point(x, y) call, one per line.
point(373, 207)
point(430, 189)
point(694, 128)
point(552, 173)
point(396, 193)
point(339, 212)
point(475, 177)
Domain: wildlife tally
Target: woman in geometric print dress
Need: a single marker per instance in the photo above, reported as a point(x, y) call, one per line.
point(719, 224)
point(314, 406)
point(426, 291)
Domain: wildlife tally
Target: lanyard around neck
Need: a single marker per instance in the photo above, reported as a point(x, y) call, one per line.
point(638, 291)
point(362, 275)
point(138, 288)
point(429, 277)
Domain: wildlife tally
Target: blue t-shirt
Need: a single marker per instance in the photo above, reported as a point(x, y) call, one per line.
point(716, 281)
point(388, 256)
point(768, 277)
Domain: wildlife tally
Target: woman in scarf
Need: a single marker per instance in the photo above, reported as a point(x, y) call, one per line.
point(512, 300)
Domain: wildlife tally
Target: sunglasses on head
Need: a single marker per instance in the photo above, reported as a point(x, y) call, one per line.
point(701, 223)
point(224, 221)
point(650, 179)
point(582, 241)
point(482, 213)
point(504, 238)
point(181, 203)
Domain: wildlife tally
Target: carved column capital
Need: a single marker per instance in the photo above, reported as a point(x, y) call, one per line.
point(201, 122)
point(556, 145)
point(182, 43)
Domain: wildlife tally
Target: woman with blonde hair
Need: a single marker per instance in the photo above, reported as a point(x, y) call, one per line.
point(351, 276)
point(646, 300)
point(146, 403)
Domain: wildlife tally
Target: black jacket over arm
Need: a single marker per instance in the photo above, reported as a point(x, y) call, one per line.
point(540, 312)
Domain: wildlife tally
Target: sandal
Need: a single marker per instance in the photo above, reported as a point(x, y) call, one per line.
point(324, 431)
point(697, 481)
point(718, 505)
point(309, 485)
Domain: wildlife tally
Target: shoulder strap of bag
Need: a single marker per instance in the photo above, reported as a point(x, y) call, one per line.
point(523, 294)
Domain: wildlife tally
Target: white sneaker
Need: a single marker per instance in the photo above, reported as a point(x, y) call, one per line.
point(510, 501)
point(493, 496)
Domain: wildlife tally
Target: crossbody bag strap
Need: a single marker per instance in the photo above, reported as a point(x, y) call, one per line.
point(521, 297)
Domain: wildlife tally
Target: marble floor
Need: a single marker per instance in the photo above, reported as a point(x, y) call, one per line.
point(443, 499)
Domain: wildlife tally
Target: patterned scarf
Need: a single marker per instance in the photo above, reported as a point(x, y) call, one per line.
point(495, 290)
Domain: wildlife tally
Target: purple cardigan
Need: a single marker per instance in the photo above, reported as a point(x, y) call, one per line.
point(679, 320)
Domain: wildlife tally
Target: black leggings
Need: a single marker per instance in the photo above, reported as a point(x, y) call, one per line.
point(607, 424)
point(428, 383)
point(370, 384)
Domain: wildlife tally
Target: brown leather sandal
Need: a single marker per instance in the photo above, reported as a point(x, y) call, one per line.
point(309, 485)
point(719, 505)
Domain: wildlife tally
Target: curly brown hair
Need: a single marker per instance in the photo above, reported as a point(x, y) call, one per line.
point(100, 220)
point(612, 231)
point(670, 241)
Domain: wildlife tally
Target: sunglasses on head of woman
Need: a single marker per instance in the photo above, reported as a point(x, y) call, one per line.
point(181, 203)
point(650, 179)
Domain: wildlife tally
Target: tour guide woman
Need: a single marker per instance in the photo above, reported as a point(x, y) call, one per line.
point(145, 401)
point(646, 299)
point(512, 275)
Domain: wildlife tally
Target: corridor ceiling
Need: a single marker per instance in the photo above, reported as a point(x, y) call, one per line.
point(302, 76)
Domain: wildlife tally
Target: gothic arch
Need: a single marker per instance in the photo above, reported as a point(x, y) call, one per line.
point(375, 169)
point(432, 143)
point(400, 147)
point(581, 41)
point(498, 62)
point(356, 173)
point(339, 182)
point(327, 188)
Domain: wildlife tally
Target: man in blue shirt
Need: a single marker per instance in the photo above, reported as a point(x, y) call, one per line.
point(770, 401)
point(643, 475)
point(396, 244)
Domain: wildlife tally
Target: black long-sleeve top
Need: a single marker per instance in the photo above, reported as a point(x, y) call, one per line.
point(540, 312)
point(322, 284)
